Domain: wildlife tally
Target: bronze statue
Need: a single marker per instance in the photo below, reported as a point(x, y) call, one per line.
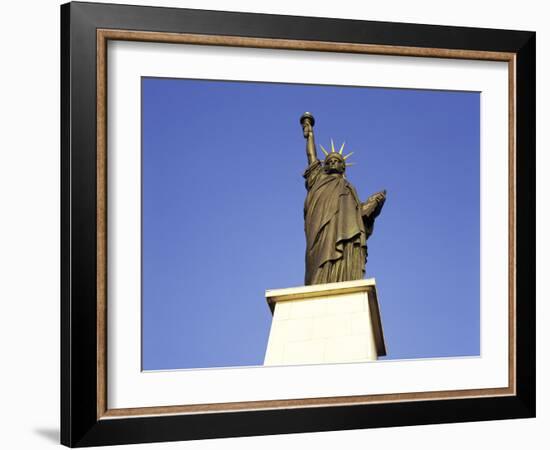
point(337, 223)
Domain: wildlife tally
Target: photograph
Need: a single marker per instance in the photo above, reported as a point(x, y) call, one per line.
point(240, 196)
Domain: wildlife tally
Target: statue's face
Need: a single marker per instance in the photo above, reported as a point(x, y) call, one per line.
point(334, 165)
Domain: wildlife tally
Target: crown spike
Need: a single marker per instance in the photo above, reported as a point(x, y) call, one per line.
point(348, 155)
point(342, 147)
point(332, 144)
point(324, 151)
point(349, 164)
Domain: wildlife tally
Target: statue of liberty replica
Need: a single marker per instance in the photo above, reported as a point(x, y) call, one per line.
point(337, 223)
point(337, 226)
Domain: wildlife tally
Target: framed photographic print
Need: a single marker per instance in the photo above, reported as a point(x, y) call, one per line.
point(276, 224)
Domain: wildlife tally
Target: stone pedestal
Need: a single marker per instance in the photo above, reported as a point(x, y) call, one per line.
point(325, 323)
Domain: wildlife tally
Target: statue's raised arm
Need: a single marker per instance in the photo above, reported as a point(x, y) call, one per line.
point(307, 120)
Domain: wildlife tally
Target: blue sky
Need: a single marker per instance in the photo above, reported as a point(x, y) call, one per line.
point(222, 213)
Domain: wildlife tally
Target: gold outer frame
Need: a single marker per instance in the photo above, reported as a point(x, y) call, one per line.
point(103, 36)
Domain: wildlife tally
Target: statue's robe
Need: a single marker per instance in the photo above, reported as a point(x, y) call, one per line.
point(336, 235)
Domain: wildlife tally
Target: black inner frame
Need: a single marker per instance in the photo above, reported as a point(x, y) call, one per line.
point(79, 424)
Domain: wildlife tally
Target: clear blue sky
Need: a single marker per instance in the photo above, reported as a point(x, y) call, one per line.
point(222, 205)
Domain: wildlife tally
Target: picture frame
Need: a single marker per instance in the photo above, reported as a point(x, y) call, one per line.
point(86, 418)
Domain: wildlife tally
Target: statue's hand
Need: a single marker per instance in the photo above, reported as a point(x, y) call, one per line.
point(308, 129)
point(380, 197)
point(372, 207)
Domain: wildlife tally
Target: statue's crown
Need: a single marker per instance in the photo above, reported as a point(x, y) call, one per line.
point(337, 154)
